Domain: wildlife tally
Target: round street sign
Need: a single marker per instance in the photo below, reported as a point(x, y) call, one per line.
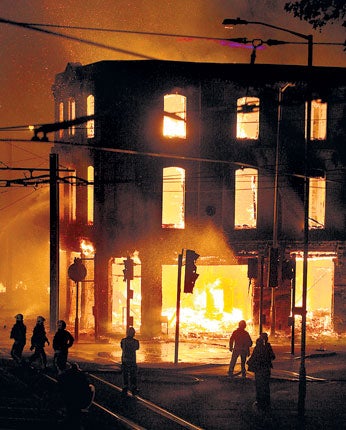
point(77, 271)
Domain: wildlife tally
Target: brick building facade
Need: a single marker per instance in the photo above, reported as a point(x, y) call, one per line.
point(220, 139)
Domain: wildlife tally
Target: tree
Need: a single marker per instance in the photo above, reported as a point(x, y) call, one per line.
point(318, 12)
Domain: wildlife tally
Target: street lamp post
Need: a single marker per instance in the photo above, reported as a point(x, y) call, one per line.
point(309, 38)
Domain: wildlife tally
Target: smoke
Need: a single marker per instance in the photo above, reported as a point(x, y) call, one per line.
point(24, 257)
point(32, 59)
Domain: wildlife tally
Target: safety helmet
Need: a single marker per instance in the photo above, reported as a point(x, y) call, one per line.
point(242, 324)
point(19, 317)
point(40, 319)
point(264, 336)
point(61, 324)
point(130, 332)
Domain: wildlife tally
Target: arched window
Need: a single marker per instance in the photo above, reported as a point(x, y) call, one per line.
point(72, 198)
point(90, 195)
point(71, 115)
point(248, 118)
point(174, 120)
point(317, 203)
point(61, 118)
point(90, 111)
point(173, 198)
point(318, 120)
point(245, 198)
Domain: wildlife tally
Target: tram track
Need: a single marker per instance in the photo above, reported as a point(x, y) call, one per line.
point(150, 414)
point(110, 409)
point(170, 399)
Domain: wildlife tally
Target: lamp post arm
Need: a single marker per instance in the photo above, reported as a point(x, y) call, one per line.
point(307, 37)
point(295, 33)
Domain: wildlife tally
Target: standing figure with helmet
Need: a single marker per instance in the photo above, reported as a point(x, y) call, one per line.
point(62, 342)
point(239, 344)
point(129, 346)
point(38, 342)
point(18, 334)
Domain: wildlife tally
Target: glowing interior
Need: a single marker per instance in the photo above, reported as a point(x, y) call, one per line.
point(72, 115)
point(248, 118)
point(245, 215)
point(318, 120)
point(317, 202)
point(90, 195)
point(173, 198)
point(174, 120)
point(61, 118)
point(90, 111)
point(222, 297)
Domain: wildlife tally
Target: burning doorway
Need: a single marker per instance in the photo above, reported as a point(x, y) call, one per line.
point(319, 292)
point(220, 299)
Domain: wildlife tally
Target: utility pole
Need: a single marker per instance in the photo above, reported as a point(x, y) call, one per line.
point(275, 203)
point(54, 241)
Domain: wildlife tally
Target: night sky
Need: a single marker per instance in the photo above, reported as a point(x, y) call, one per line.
point(30, 60)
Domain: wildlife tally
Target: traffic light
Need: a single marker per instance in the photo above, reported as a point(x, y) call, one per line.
point(287, 269)
point(273, 267)
point(252, 268)
point(128, 271)
point(190, 271)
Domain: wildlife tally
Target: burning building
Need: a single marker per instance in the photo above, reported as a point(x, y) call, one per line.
point(206, 157)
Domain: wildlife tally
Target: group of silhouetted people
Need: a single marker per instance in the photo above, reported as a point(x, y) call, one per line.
point(260, 362)
point(78, 393)
point(62, 341)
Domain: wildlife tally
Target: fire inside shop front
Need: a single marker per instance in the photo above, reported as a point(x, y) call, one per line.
point(222, 296)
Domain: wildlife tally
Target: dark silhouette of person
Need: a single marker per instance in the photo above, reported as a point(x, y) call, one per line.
point(261, 364)
point(239, 343)
point(62, 342)
point(38, 341)
point(18, 334)
point(77, 394)
point(129, 346)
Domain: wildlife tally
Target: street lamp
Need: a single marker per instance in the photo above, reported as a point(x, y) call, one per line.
point(275, 200)
point(230, 23)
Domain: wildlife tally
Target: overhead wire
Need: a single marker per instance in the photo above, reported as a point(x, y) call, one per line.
point(266, 169)
point(151, 33)
point(76, 39)
point(36, 27)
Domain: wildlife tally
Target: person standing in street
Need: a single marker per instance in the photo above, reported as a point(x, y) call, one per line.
point(129, 346)
point(38, 341)
point(261, 364)
point(77, 394)
point(18, 334)
point(62, 342)
point(239, 344)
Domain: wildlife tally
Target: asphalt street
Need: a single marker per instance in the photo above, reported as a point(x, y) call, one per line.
point(197, 387)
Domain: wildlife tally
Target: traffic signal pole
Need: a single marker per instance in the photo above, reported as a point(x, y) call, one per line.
point(128, 277)
point(177, 320)
point(261, 295)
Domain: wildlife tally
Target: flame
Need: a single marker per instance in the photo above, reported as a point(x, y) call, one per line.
point(135, 257)
point(219, 301)
point(87, 248)
point(222, 297)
